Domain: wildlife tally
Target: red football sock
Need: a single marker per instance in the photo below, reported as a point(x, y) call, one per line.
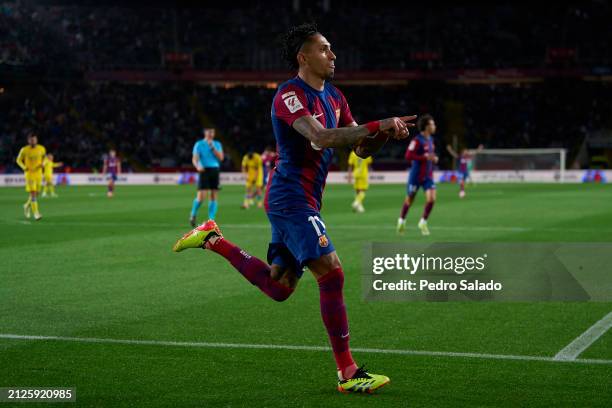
point(405, 208)
point(253, 269)
point(334, 316)
point(427, 209)
point(462, 185)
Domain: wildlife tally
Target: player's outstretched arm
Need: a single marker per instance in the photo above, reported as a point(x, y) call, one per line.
point(312, 129)
point(452, 151)
point(474, 152)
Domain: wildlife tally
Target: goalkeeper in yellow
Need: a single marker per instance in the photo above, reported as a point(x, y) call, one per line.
point(48, 167)
point(358, 174)
point(31, 159)
point(252, 167)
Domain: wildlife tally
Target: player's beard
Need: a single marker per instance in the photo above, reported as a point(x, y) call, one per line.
point(329, 76)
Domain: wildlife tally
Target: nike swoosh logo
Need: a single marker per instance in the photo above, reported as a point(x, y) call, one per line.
point(344, 336)
point(316, 116)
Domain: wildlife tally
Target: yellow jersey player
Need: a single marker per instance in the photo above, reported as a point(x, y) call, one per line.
point(48, 167)
point(359, 172)
point(252, 167)
point(30, 159)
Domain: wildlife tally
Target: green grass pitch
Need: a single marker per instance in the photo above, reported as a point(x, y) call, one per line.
point(103, 268)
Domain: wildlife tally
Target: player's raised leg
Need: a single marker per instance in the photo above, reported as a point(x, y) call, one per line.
point(274, 282)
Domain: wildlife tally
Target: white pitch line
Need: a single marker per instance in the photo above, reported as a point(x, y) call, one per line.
point(297, 347)
point(585, 340)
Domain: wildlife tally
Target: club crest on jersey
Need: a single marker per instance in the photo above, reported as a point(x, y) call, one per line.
point(293, 103)
point(323, 242)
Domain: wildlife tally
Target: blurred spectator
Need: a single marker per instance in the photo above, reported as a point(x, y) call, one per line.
point(366, 35)
point(155, 125)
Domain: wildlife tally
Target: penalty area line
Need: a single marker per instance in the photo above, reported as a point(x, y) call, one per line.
point(296, 347)
point(585, 340)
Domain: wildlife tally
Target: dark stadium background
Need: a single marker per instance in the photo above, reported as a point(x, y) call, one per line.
point(92, 296)
point(145, 77)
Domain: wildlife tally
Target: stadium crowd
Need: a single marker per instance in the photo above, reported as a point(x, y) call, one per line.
point(427, 36)
point(155, 125)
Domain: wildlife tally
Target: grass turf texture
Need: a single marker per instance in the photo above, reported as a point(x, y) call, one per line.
point(103, 268)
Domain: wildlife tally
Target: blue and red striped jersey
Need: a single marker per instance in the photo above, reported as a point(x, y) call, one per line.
point(417, 149)
point(112, 165)
point(464, 162)
point(301, 169)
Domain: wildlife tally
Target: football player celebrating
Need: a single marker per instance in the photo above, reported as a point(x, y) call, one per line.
point(310, 117)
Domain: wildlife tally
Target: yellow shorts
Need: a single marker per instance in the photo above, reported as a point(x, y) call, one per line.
point(254, 180)
point(48, 178)
point(360, 183)
point(33, 182)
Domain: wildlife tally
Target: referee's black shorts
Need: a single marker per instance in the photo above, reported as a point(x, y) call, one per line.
point(209, 179)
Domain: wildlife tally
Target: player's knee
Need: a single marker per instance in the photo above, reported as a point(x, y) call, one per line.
point(276, 272)
point(284, 276)
point(289, 279)
point(331, 262)
point(283, 294)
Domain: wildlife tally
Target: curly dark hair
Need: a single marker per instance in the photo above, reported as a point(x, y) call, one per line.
point(292, 41)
